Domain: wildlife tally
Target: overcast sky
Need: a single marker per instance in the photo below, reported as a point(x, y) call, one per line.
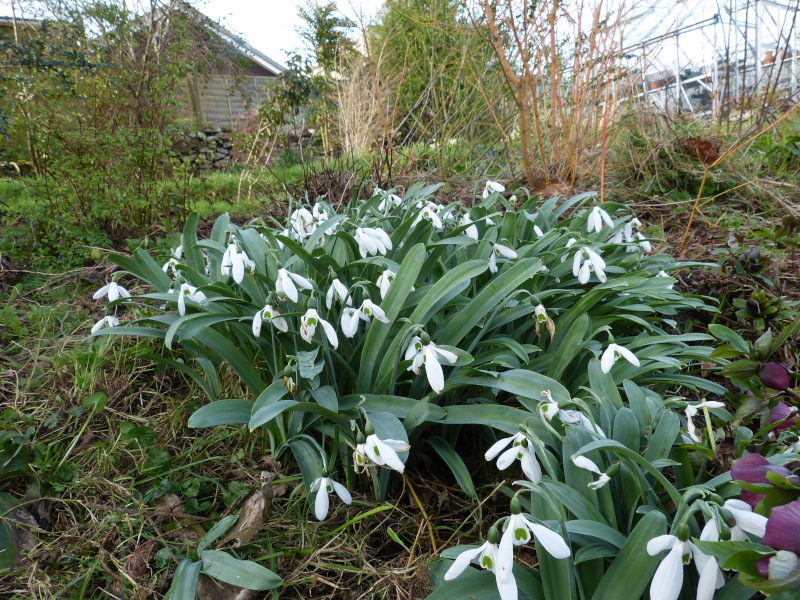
point(269, 25)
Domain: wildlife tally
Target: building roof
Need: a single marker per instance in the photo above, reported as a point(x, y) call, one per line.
point(235, 41)
point(9, 22)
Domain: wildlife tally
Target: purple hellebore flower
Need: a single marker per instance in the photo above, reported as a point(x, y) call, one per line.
point(753, 468)
point(783, 532)
point(775, 376)
point(779, 413)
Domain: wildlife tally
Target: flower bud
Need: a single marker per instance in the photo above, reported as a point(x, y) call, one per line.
point(613, 469)
point(369, 429)
point(360, 439)
point(724, 531)
point(775, 376)
point(683, 533)
point(762, 346)
point(425, 339)
point(312, 303)
point(493, 536)
point(516, 508)
point(752, 256)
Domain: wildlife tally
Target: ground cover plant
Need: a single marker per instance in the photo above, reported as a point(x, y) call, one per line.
point(368, 337)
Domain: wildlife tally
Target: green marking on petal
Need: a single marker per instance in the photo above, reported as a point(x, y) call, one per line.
point(487, 562)
point(520, 533)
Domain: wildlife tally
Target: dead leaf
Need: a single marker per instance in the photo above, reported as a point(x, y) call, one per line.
point(139, 562)
point(171, 505)
point(251, 516)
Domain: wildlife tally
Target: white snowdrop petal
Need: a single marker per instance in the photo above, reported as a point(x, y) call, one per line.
point(462, 562)
point(498, 447)
point(342, 492)
point(552, 542)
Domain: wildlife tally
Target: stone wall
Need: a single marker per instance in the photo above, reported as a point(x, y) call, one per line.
point(211, 148)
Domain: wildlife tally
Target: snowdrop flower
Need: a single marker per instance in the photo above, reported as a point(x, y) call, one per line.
point(570, 242)
point(551, 409)
point(349, 321)
point(110, 321)
point(302, 223)
point(320, 214)
point(492, 186)
point(537, 230)
point(421, 351)
point(372, 241)
point(665, 274)
point(594, 262)
point(285, 284)
point(711, 577)
point(691, 411)
point(369, 310)
point(340, 290)
point(596, 219)
point(499, 249)
point(745, 521)
point(429, 212)
point(113, 290)
point(308, 325)
point(668, 579)
point(271, 315)
point(188, 292)
point(174, 260)
point(521, 449)
point(324, 486)
point(384, 281)
point(472, 230)
point(380, 452)
point(540, 316)
point(643, 243)
point(489, 557)
point(576, 417)
point(389, 200)
point(235, 261)
point(613, 353)
point(519, 529)
point(588, 464)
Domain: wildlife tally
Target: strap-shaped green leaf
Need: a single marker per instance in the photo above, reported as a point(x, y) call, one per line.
point(243, 573)
point(454, 462)
point(493, 294)
point(222, 412)
point(184, 583)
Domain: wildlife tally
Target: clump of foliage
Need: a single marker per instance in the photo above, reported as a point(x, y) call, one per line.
point(369, 336)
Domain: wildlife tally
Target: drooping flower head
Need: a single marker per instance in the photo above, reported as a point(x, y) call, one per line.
point(613, 353)
point(521, 449)
point(323, 486)
point(422, 351)
point(107, 321)
point(500, 250)
point(491, 187)
point(597, 217)
point(113, 290)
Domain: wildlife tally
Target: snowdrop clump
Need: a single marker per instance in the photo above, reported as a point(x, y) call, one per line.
point(367, 338)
